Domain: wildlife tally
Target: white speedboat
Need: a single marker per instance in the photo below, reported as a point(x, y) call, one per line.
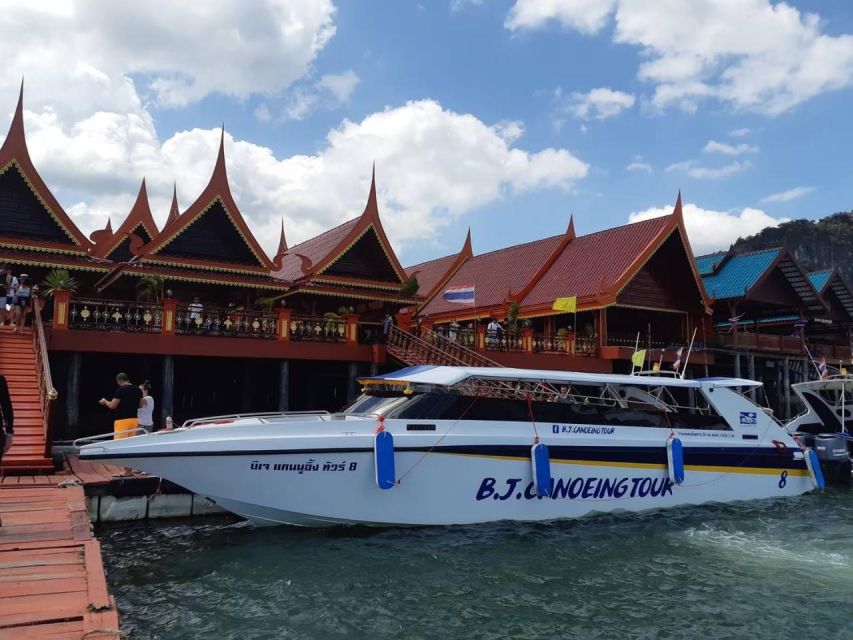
point(454, 445)
point(826, 424)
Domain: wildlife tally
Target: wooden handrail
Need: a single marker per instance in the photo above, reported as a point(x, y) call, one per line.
point(47, 392)
point(463, 353)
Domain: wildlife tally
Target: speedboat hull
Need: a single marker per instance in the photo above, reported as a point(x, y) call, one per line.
point(467, 483)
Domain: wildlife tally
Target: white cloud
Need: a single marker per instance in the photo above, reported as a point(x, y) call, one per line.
point(84, 55)
point(787, 196)
point(432, 165)
point(711, 230)
point(695, 170)
point(586, 16)
point(262, 113)
point(639, 166)
point(458, 5)
point(729, 149)
point(740, 133)
point(752, 54)
point(600, 103)
point(327, 93)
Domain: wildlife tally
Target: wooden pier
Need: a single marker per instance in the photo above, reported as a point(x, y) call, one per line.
point(52, 580)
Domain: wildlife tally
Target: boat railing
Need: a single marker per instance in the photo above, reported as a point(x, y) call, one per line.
point(195, 422)
point(79, 442)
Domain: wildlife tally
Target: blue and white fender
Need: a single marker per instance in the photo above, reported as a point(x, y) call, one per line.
point(541, 460)
point(675, 460)
point(813, 464)
point(383, 454)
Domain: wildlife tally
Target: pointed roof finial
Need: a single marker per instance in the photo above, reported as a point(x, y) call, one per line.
point(570, 230)
point(467, 250)
point(282, 242)
point(220, 175)
point(109, 226)
point(15, 139)
point(677, 212)
point(174, 211)
point(371, 209)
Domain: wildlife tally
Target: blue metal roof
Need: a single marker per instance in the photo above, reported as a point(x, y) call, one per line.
point(820, 278)
point(738, 274)
point(707, 263)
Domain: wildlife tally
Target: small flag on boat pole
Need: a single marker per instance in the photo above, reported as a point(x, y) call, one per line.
point(638, 358)
point(460, 295)
point(821, 369)
point(569, 305)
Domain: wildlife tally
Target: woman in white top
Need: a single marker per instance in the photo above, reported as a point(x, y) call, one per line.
point(145, 413)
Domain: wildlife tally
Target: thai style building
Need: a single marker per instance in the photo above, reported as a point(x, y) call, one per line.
point(636, 279)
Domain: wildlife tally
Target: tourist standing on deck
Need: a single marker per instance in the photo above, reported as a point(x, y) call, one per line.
point(145, 414)
point(196, 308)
point(387, 323)
point(8, 286)
point(126, 402)
point(21, 302)
point(493, 331)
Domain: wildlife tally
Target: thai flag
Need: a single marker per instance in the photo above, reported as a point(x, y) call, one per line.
point(460, 295)
point(677, 364)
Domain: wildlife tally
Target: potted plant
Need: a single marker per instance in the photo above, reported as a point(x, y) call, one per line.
point(58, 280)
point(151, 288)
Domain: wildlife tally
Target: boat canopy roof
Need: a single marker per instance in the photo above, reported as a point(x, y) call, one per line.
point(448, 376)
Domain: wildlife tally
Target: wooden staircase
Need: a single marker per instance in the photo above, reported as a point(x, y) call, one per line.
point(21, 367)
point(432, 348)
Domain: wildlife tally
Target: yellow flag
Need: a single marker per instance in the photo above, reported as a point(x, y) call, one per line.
point(570, 305)
point(638, 357)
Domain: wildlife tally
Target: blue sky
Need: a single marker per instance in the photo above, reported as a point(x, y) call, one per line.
point(424, 87)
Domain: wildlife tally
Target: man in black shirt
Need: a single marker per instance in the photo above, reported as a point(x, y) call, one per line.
point(126, 402)
point(6, 419)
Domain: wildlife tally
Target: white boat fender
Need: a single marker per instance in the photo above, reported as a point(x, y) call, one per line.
point(383, 455)
point(675, 460)
point(813, 464)
point(541, 460)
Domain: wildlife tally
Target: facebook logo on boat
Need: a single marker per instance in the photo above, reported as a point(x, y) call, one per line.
point(748, 417)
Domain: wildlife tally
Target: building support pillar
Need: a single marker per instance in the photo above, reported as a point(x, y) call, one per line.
point(374, 368)
point(352, 374)
point(247, 385)
point(284, 385)
point(72, 402)
point(167, 403)
point(786, 386)
point(737, 364)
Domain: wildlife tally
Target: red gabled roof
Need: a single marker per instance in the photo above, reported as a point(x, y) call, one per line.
point(495, 275)
point(217, 189)
point(14, 151)
point(312, 257)
point(174, 211)
point(139, 216)
point(597, 263)
point(434, 273)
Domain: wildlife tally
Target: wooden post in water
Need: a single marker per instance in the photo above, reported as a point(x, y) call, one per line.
point(72, 396)
point(168, 395)
point(751, 368)
point(786, 383)
point(284, 385)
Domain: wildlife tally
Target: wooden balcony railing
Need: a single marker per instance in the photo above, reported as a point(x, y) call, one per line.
point(318, 329)
point(504, 340)
point(224, 322)
point(762, 342)
point(115, 315)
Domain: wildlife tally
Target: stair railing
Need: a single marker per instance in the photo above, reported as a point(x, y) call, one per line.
point(47, 392)
point(407, 346)
point(459, 351)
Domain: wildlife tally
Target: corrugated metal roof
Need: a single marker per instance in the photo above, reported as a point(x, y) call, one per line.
point(707, 263)
point(495, 274)
point(739, 273)
point(595, 259)
point(820, 278)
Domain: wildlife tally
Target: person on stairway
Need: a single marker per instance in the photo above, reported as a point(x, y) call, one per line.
point(8, 286)
point(7, 418)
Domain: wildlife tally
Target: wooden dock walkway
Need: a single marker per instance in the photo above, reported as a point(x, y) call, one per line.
point(52, 580)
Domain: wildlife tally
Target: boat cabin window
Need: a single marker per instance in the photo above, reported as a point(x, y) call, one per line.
point(604, 404)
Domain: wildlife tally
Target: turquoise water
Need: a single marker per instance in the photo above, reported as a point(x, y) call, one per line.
point(775, 569)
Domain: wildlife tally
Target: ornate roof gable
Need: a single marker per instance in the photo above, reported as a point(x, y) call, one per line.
point(211, 233)
point(30, 216)
point(137, 230)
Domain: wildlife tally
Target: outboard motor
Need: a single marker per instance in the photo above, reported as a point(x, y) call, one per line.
point(831, 449)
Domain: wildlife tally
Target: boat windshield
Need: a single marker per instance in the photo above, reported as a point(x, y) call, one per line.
point(375, 404)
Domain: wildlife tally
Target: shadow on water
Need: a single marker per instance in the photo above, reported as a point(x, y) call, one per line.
point(753, 570)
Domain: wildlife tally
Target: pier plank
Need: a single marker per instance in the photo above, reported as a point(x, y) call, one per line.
point(52, 580)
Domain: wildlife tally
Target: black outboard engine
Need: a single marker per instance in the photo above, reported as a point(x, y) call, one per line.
point(831, 449)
